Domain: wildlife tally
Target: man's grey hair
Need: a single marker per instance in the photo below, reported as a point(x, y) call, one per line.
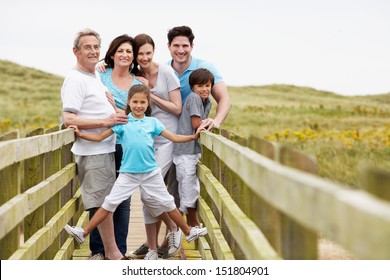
point(85, 32)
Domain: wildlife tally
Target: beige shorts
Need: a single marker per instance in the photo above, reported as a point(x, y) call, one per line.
point(97, 176)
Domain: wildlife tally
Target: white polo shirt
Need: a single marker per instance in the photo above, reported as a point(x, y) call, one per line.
point(84, 94)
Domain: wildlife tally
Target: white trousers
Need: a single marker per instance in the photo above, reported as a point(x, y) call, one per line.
point(153, 192)
point(163, 155)
point(189, 187)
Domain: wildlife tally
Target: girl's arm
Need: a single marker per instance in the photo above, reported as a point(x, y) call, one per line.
point(96, 137)
point(177, 138)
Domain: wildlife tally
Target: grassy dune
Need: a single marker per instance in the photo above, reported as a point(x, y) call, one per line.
point(29, 98)
point(343, 132)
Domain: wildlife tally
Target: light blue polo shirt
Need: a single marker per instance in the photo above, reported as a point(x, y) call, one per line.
point(196, 63)
point(137, 138)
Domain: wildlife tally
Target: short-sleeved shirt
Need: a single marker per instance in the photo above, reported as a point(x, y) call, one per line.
point(194, 106)
point(137, 138)
point(166, 82)
point(120, 95)
point(84, 94)
point(196, 63)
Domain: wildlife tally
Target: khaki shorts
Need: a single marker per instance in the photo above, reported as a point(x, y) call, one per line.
point(97, 176)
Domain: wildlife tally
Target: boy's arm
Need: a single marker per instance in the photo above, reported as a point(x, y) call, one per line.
point(95, 137)
point(196, 122)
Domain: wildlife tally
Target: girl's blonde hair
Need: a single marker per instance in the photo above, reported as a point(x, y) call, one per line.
point(139, 89)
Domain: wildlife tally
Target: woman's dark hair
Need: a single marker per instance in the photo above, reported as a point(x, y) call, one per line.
point(140, 40)
point(138, 89)
point(115, 44)
point(201, 76)
point(181, 31)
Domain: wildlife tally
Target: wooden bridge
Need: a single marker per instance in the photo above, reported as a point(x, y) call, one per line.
point(258, 201)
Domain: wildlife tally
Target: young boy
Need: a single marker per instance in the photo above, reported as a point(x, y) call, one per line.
point(186, 155)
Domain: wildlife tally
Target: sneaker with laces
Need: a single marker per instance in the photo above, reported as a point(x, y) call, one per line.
point(195, 233)
point(174, 241)
point(140, 252)
point(76, 233)
point(151, 255)
point(162, 252)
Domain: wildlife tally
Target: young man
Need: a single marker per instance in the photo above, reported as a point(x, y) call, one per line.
point(85, 104)
point(180, 45)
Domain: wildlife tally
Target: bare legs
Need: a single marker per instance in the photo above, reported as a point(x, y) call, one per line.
point(192, 217)
point(177, 218)
point(152, 231)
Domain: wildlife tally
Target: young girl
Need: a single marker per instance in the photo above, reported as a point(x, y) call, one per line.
point(139, 168)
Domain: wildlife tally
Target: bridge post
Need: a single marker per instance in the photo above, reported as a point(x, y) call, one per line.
point(297, 241)
point(33, 174)
point(52, 164)
point(376, 181)
point(10, 183)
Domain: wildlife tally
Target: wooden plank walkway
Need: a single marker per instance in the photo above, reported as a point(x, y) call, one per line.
point(137, 236)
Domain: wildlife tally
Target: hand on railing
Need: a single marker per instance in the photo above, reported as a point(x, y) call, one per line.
point(210, 123)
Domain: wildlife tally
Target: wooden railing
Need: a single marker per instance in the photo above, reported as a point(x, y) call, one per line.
point(38, 195)
point(258, 201)
point(263, 201)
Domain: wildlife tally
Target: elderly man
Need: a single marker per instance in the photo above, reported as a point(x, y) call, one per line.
point(85, 105)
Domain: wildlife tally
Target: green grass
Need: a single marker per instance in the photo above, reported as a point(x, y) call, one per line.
point(342, 132)
point(29, 98)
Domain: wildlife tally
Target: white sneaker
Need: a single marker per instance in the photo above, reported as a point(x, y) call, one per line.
point(174, 241)
point(195, 233)
point(76, 233)
point(151, 255)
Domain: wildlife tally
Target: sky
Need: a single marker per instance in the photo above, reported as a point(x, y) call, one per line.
point(342, 46)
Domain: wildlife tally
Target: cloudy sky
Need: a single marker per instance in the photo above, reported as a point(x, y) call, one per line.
point(341, 46)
